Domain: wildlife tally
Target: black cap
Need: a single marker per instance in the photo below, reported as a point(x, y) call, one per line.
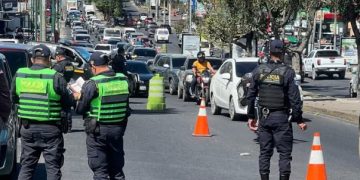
point(99, 59)
point(59, 51)
point(201, 55)
point(120, 50)
point(40, 51)
point(276, 46)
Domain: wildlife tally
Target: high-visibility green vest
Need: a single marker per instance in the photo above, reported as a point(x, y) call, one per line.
point(38, 100)
point(111, 104)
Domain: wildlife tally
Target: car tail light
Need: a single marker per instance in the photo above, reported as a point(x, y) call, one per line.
point(319, 62)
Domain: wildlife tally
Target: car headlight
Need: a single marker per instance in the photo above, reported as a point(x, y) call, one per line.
point(189, 78)
point(206, 79)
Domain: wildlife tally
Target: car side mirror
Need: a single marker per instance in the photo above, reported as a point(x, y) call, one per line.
point(182, 68)
point(166, 66)
point(226, 76)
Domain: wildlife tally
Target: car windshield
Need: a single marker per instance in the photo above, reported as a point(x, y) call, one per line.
point(113, 33)
point(113, 41)
point(178, 62)
point(163, 32)
point(145, 52)
point(327, 54)
point(90, 13)
point(77, 24)
point(129, 31)
point(139, 68)
point(121, 45)
point(16, 59)
point(82, 38)
point(83, 52)
point(81, 32)
point(99, 47)
point(245, 67)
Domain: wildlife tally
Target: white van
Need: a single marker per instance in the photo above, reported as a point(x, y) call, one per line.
point(111, 33)
point(161, 34)
point(126, 31)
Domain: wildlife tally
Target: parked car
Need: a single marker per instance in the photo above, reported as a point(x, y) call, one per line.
point(17, 55)
point(8, 133)
point(328, 62)
point(143, 74)
point(185, 75)
point(227, 88)
point(161, 34)
point(168, 66)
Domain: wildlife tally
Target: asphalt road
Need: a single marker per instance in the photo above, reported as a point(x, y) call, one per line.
point(325, 86)
point(159, 146)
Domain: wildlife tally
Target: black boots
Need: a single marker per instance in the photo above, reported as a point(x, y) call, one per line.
point(264, 176)
point(285, 177)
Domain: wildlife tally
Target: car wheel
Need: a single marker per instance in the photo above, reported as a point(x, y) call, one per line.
point(186, 95)
point(342, 75)
point(215, 110)
point(179, 92)
point(233, 115)
point(314, 75)
point(172, 89)
point(331, 76)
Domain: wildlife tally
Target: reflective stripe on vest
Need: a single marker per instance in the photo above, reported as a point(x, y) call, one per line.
point(111, 104)
point(38, 100)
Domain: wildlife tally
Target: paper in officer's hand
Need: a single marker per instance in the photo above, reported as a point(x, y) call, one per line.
point(76, 86)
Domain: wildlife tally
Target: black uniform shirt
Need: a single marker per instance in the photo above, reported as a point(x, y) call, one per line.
point(118, 64)
point(60, 87)
point(66, 68)
point(89, 92)
point(291, 90)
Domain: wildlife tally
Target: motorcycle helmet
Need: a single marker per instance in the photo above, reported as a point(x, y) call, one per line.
point(201, 56)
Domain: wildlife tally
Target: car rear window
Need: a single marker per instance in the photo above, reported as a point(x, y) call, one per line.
point(245, 67)
point(327, 54)
point(145, 52)
point(16, 59)
point(163, 32)
point(82, 38)
point(178, 62)
point(139, 68)
point(106, 48)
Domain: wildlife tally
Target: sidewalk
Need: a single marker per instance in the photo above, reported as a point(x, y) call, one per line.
point(346, 109)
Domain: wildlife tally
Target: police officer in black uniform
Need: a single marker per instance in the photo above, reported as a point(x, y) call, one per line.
point(64, 66)
point(41, 93)
point(119, 62)
point(105, 127)
point(280, 103)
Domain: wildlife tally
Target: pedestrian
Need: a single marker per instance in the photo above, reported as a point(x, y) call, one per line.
point(119, 62)
point(104, 102)
point(64, 66)
point(41, 95)
point(280, 103)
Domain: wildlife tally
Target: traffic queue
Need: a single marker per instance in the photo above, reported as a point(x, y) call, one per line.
point(96, 80)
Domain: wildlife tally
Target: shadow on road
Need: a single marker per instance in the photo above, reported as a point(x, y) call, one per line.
point(148, 112)
point(299, 141)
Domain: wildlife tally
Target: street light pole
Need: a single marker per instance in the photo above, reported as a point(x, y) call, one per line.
point(43, 21)
point(164, 13)
point(190, 16)
point(169, 11)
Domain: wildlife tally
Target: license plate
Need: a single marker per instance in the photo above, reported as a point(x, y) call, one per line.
point(332, 69)
point(142, 88)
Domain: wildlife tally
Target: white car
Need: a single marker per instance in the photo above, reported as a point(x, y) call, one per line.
point(105, 48)
point(79, 31)
point(111, 33)
point(324, 61)
point(81, 38)
point(126, 31)
point(161, 34)
point(227, 88)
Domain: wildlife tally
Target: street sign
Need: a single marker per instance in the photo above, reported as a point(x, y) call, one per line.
point(190, 44)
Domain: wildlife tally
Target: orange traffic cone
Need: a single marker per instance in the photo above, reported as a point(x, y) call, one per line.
point(316, 168)
point(201, 126)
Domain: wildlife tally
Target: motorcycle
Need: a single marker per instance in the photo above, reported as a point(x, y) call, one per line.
point(202, 88)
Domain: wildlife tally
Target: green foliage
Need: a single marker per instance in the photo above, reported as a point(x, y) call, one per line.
point(109, 7)
point(180, 26)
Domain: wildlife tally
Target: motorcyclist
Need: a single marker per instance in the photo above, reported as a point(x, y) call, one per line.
point(198, 67)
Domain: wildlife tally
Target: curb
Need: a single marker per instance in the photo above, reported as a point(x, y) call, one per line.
point(350, 118)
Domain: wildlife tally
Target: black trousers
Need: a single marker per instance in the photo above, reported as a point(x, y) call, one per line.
point(37, 139)
point(106, 152)
point(275, 131)
point(193, 85)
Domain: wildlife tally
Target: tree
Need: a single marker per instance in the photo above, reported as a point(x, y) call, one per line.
point(350, 11)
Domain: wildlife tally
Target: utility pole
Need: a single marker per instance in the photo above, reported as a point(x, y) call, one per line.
point(149, 7)
point(320, 27)
point(190, 13)
point(164, 12)
point(156, 10)
point(335, 27)
point(169, 15)
point(43, 21)
point(53, 18)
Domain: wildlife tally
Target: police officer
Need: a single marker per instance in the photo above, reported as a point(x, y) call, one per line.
point(119, 62)
point(104, 104)
point(279, 101)
point(41, 94)
point(64, 66)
